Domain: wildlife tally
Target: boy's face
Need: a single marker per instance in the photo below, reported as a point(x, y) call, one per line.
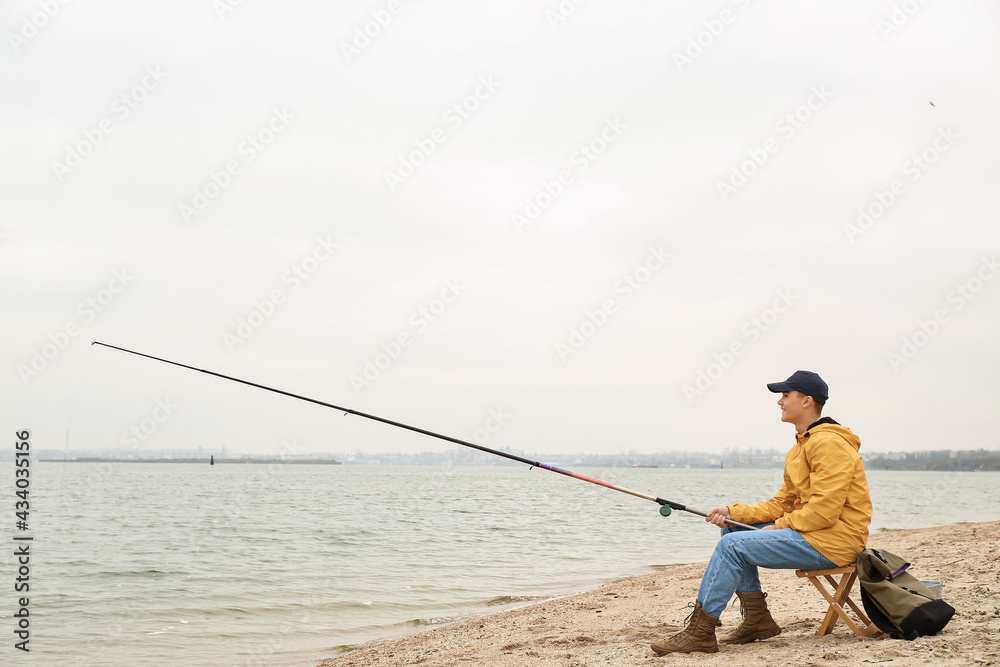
point(793, 406)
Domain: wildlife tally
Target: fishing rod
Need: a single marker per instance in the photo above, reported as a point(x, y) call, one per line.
point(665, 505)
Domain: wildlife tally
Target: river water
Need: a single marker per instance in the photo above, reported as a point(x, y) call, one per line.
point(282, 565)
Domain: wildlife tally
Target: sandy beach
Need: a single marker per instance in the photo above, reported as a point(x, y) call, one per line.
point(614, 624)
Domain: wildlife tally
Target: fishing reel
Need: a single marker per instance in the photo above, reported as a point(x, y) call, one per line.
point(665, 510)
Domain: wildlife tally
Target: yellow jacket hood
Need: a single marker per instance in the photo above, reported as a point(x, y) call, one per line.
point(824, 426)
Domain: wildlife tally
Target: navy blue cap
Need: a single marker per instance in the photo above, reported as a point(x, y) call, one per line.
point(805, 382)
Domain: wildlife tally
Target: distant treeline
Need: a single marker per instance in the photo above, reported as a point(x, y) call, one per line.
point(981, 459)
point(966, 460)
point(939, 460)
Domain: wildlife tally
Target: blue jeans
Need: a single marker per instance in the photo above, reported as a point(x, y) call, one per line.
point(734, 562)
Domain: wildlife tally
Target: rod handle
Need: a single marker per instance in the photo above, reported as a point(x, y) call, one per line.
point(737, 524)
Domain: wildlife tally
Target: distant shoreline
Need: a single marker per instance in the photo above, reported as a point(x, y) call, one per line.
point(201, 461)
point(979, 460)
point(937, 462)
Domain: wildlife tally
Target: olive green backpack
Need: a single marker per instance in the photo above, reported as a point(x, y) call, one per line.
point(896, 601)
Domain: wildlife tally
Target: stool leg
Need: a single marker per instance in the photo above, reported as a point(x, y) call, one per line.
point(869, 629)
point(836, 611)
point(830, 619)
point(841, 596)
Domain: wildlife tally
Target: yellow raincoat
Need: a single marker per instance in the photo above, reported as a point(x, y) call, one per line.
point(824, 496)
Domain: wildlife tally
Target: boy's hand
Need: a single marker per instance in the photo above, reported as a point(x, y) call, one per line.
point(718, 516)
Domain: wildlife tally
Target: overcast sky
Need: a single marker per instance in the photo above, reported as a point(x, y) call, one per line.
point(546, 226)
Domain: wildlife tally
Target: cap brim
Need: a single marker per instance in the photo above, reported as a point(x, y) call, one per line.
point(778, 387)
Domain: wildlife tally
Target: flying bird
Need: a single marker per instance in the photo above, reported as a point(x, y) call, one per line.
point(932, 104)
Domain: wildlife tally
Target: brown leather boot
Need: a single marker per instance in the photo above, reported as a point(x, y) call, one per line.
point(698, 637)
point(757, 621)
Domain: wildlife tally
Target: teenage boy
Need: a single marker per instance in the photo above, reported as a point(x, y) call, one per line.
point(819, 519)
